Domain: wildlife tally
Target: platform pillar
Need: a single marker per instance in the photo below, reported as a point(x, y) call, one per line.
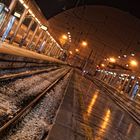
point(19, 25)
point(26, 33)
point(11, 8)
point(33, 36)
point(38, 39)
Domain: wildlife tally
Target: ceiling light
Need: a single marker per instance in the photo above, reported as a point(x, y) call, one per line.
point(26, 6)
point(112, 59)
point(30, 12)
point(103, 65)
point(133, 63)
point(64, 37)
point(132, 77)
point(70, 52)
point(44, 27)
point(84, 43)
point(21, 1)
point(77, 50)
point(132, 54)
point(17, 15)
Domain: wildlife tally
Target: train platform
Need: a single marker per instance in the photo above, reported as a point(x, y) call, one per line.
point(13, 49)
point(88, 113)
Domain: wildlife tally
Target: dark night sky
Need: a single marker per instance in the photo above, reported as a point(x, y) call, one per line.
point(51, 8)
point(108, 31)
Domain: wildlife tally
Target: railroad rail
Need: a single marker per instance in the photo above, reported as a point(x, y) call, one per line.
point(24, 111)
point(131, 107)
point(25, 74)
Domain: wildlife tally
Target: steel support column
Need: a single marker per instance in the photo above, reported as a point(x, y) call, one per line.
point(110, 81)
point(48, 50)
point(51, 48)
point(42, 45)
point(19, 24)
point(130, 92)
point(38, 39)
point(33, 36)
point(26, 33)
point(125, 90)
point(57, 52)
point(60, 53)
point(125, 80)
point(11, 8)
point(54, 50)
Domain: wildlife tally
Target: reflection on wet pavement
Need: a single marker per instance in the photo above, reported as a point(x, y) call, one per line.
point(103, 126)
point(93, 100)
point(102, 118)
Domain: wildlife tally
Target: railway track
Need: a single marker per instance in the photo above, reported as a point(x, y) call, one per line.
point(10, 64)
point(131, 107)
point(12, 77)
point(17, 94)
point(38, 114)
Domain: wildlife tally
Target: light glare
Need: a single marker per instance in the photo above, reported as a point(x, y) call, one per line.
point(133, 63)
point(113, 60)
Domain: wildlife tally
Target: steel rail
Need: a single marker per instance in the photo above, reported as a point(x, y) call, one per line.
point(120, 103)
point(24, 74)
point(24, 111)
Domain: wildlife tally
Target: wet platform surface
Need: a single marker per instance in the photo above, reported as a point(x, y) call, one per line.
point(87, 113)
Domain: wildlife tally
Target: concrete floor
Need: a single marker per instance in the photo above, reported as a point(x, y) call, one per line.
point(87, 113)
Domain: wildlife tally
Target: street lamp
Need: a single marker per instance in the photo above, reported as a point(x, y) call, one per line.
point(84, 43)
point(64, 37)
point(127, 65)
point(132, 54)
point(70, 52)
point(77, 50)
point(112, 59)
point(133, 63)
point(102, 65)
